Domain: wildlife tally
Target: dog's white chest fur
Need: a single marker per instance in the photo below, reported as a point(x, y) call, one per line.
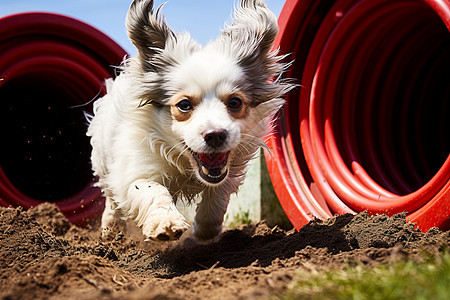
point(182, 120)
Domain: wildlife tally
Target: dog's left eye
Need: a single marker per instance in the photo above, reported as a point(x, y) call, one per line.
point(235, 103)
point(184, 105)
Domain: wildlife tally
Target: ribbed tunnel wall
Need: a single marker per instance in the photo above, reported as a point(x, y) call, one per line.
point(369, 127)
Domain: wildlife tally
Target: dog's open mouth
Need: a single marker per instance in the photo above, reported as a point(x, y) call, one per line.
point(212, 167)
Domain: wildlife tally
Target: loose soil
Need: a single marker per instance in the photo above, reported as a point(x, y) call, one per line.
point(43, 256)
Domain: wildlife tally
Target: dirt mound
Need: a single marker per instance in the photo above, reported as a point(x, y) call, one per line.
point(43, 256)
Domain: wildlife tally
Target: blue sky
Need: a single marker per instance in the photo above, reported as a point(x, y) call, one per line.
point(202, 18)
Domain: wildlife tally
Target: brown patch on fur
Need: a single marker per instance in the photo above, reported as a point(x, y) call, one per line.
point(242, 112)
point(181, 116)
point(177, 114)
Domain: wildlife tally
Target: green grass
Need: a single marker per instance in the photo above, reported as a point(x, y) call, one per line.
point(400, 280)
point(241, 218)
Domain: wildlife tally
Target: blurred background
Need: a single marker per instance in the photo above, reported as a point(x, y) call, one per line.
point(202, 18)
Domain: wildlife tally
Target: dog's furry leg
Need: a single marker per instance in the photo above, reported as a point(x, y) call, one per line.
point(110, 217)
point(154, 211)
point(210, 213)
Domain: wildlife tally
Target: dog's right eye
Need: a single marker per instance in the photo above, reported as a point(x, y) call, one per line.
point(184, 105)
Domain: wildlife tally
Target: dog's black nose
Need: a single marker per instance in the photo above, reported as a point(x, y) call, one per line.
point(215, 138)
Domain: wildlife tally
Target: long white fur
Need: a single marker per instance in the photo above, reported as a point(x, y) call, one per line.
point(142, 155)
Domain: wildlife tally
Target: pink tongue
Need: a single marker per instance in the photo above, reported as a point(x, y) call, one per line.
point(212, 159)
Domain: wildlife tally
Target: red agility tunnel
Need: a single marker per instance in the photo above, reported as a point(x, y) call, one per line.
point(369, 127)
point(50, 67)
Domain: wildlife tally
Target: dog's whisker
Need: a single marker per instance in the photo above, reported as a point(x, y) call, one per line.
point(250, 146)
point(174, 147)
point(185, 148)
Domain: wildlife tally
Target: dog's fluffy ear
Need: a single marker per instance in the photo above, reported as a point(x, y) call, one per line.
point(147, 30)
point(249, 40)
point(252, 31)
point(255, 25)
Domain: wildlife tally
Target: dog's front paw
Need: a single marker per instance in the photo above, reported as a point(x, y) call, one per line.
point(164, 225)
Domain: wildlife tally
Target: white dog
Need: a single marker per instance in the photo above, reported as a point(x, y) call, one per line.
point(182, 120)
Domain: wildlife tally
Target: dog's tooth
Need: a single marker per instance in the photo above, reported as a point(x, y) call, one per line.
point(205, 170)
point(224, 169)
